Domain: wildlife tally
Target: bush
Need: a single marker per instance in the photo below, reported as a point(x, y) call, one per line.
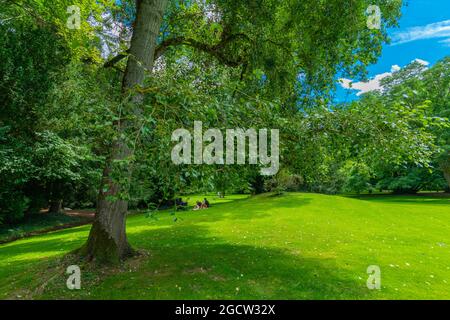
point(13, 206)
point(284, 181)
point(358, 178)
point(412, 180)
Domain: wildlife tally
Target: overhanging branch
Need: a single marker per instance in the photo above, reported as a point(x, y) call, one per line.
point(215, 50)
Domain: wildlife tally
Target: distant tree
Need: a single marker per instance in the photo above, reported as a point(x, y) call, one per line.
point(430, 86)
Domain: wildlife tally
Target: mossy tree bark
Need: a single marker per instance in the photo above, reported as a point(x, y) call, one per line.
point(107, 240)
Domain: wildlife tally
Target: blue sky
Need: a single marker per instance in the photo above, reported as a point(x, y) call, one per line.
point(423, 33)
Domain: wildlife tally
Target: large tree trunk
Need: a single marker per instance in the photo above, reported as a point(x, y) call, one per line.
point(107, 240)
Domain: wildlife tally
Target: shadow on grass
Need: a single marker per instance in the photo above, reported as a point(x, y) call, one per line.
point(188, 263)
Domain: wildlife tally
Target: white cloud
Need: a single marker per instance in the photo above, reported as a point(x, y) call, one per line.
point(364, 87)
point(430, 31)
point(395, 68)
point(375, 83)
point(445, 42)
point(422, 62)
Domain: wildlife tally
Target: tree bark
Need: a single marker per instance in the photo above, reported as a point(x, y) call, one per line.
point(447, 177)
point(107, 242)
point(445, 166)
point(55, 206)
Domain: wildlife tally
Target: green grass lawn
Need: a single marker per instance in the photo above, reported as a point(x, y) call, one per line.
point(297, 246)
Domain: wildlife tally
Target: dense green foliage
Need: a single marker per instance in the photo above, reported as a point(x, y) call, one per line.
point(42, 159)
point(423, 94)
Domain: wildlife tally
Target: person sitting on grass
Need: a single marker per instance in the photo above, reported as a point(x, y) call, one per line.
point(180, 202)
point(198, 206)
point(180, 205)
point(205, 204)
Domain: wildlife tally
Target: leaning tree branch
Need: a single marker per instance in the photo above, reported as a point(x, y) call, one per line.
point(116, 59)
point(215, 50)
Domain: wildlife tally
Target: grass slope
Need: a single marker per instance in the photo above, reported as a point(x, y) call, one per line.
point(298, 246)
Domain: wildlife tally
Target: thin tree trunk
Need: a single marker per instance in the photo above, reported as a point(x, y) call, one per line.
point(55, 206)
point(447, 177)
point(445, 166)
point(107, 240)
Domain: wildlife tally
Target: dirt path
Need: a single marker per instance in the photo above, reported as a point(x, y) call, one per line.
point(89, 214)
